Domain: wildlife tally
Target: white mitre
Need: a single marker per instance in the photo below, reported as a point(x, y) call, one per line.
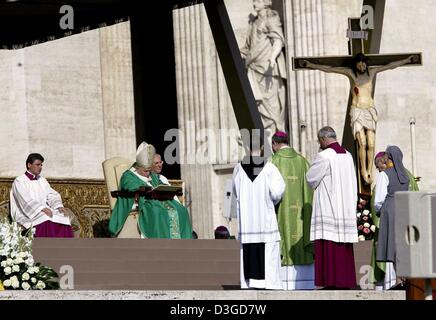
point(144, 155)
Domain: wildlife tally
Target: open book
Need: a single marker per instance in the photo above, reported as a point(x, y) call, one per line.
point(160, 192)
point(58, 217)
point(167, 188)
point(165, 192)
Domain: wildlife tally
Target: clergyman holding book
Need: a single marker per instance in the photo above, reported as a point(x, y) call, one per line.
point(158, 217)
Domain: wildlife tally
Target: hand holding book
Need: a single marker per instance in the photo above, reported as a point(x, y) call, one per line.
point(160, 192)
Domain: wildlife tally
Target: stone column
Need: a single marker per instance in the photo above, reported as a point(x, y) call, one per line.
point(204, 110)
point(117, 91)
point(192, 78)
point(307, 93)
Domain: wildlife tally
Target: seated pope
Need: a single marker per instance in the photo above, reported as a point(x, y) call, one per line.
point(156, 218)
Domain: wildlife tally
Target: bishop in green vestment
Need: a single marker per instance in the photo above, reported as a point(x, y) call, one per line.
point(294, 216)
point(156, 218)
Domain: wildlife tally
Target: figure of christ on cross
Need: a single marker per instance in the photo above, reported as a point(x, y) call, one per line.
point(363, 113)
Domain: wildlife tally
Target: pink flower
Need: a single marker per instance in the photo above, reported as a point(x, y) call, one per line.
point(366, 230)
point(365, 218)
point(360, 227)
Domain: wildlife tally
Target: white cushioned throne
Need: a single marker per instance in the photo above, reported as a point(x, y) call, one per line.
point(113, 169)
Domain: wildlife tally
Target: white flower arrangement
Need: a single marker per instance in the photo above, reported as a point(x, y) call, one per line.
point(18, 270)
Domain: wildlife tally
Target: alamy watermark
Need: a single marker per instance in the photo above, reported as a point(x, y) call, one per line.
point(67, 20)
point(66, 277)
point(366, 22)
point(213, 146)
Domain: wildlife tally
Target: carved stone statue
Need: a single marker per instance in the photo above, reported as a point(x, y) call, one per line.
point(363, 113)
point(266, 65)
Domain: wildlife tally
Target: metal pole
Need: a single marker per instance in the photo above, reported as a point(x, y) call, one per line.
point(412, 122)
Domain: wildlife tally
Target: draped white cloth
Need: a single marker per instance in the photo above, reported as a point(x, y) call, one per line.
point(255, 202)
point(272, 269)
point(333, 178)
point(29, 197)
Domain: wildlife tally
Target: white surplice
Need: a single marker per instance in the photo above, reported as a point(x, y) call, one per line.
point(380, 190)
point(29, 197)
point(333, 177)
point(257, 219)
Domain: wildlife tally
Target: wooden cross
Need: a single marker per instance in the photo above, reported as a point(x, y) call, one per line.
point(355, 46)
point(366, 42)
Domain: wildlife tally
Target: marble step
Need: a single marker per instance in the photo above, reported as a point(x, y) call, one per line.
point(204, 294)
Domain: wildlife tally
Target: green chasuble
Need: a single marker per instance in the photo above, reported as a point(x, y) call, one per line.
point(157, 219)
point(295, 209)
point(378, 268)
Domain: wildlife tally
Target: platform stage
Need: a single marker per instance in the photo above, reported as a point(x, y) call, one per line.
point(156, 264)
point(142, 264)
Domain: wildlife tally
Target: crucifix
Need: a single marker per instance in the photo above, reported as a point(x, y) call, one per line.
point(361, 69)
